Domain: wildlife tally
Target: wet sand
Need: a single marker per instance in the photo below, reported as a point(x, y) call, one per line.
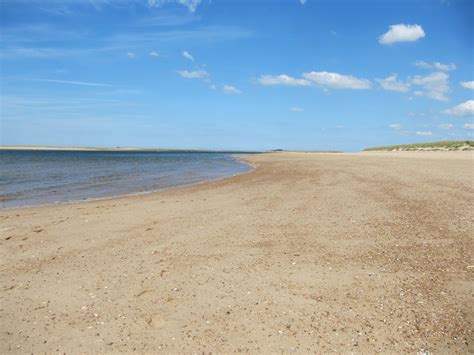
point(310, 252)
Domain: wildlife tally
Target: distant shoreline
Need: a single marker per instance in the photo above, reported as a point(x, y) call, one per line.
point(116, 149)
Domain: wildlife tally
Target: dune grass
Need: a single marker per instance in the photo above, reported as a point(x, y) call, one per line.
point(442, 145)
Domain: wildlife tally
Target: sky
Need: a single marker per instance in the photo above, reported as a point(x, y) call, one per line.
point(236, 74)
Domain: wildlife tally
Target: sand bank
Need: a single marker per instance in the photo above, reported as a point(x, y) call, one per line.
point(309, 252)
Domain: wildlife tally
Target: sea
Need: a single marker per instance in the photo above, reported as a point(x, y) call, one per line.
point(41, 177)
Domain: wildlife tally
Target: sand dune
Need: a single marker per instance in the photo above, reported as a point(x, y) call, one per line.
point(309, 252)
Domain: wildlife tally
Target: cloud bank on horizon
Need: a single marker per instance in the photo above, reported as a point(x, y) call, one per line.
point(194, 73)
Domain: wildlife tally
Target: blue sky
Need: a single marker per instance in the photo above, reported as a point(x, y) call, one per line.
point(236, 74)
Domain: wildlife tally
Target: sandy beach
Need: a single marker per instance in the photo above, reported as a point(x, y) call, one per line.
point(309, 252)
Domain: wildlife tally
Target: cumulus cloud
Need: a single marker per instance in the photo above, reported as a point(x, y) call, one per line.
point(435, 65)
point(464, 109)
point(131, 55)
point(282, 79)
point(323, 79)
point(402, 33)
point(428, 133)
point(468, 126)
point(467, 85)
point(188, 56)
point(154, 54)
point(435, 85)
point(191, 5)
point(391, 83)
point(296, 109)
point(195, 74)
point(395, 126)
point(337, 81)
point(229, 89)
point(445, 126)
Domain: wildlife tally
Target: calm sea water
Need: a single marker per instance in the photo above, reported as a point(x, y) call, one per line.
point(30, 178)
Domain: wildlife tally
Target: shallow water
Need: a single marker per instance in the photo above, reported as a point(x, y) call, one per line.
point(31, 178)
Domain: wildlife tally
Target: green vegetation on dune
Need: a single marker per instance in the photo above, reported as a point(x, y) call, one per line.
point(443, 145)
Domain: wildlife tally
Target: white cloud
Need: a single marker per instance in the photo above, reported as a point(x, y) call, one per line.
point(154, 54)
point(391, 83)
point(195, 35)
point(464, 109)
point(395, 126)
point(424, 133)
point(468, 126)
point(71, 82)
point(435, 65)
point(296, 109)
point(131, 55)
point(229, 89)
point(188, 56)
point(436, 85)
point(467, 84)
point(98, 4)
point(302, 2)
point(445, 126)
point(20, 43)
point(402, 33)
point(196, 74)
point(337, 81)
point(322, 79)
point(37, 53)
point(58, 11)
point(191, 5)
point(168, 19)
point(282, 79)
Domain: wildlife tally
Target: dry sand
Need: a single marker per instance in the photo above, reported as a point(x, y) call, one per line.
point(309, 252)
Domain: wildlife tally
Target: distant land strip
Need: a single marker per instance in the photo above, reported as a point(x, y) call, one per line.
point(429, 146)
point(77, 148)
